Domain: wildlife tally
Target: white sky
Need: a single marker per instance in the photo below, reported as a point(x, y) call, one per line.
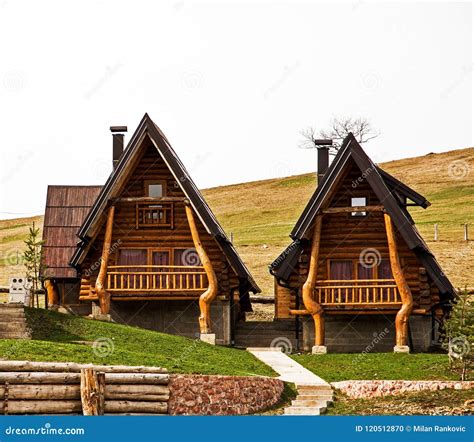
point(230, 84)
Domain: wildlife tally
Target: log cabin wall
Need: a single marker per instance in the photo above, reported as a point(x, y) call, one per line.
point(344, 237)
point(151, 168)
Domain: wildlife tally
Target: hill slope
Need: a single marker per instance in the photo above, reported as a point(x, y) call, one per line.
point(69, 338)
point(261, 214)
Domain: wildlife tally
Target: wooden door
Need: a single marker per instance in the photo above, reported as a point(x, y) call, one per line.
point(161, 278)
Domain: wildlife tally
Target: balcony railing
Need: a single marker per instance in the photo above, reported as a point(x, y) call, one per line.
point(155, 279)
point(357, 293)
point(156, 214)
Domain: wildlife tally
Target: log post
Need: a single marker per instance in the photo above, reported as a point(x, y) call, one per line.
point(210, 294)
point(92, 392)
point(100, 284)
point(401, 320)
point(52, 292)
point(315, 309)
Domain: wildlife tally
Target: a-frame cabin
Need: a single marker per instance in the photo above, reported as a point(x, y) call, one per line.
point(144, 249)
point(358, 275)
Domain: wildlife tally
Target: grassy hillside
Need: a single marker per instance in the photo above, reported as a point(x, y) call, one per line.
point(391, 366)
point(13, 233)
point(261, 214)
point(63, 337)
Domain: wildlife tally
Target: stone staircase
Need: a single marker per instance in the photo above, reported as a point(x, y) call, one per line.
point(314, 393)
point(13, 322)
point(312, 400)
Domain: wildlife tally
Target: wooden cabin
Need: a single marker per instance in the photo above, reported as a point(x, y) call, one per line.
point(358, 276)
point(145, 249)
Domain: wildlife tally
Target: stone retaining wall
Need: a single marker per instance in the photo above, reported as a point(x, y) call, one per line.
point(222, 395)
point(370, 389)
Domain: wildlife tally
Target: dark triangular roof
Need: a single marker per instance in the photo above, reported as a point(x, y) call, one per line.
point(389, 191)
point(95, 217)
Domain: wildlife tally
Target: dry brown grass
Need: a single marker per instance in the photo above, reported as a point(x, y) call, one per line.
point(13, 233)
point(261, 215)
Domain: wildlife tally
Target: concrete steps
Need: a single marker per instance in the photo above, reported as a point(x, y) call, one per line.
point(312, 400)
point(13, 322)
point(314, 393)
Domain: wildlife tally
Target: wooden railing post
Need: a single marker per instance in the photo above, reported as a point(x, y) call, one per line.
point(210, 294)
point(401, 320)
point(100, 284)
point(92, 392)
point(314, 308)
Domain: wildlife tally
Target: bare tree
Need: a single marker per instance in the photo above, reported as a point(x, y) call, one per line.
point(338, 130)
point(309, 138)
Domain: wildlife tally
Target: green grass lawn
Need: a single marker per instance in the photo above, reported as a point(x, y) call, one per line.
point(442, 402)
point(67, 338)
point(389, 366)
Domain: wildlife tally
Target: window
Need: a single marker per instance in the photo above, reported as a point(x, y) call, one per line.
point(189, 258)
point(354, 269)
point(160, 257)
point(340, 270)
point(151, 213)
point(384, 271)
point(186, 257)
point(130, 257)
point(155, 189)
point(358, 202)
point(364, 271)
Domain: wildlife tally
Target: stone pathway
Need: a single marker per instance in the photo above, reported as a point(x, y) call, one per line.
point(314, 393)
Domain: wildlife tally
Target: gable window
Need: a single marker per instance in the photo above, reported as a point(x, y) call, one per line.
point(358, 202)
point(151, 213)
point(155, 189)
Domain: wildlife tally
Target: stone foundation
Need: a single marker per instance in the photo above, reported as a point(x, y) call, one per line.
point(366, 333)
point(222, 395)
point(371, 389)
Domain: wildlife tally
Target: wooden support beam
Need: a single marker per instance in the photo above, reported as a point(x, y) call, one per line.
point(311, 305)
point(401, 320)
point(72, 367)
point(353, 209)
point(100, 284)
point(147, 199)
point(75, 378)
point(210, 294)
point(52, 292)
point(92, 392)
point(374, 311)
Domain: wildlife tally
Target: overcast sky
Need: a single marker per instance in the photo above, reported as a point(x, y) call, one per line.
point(230, 84)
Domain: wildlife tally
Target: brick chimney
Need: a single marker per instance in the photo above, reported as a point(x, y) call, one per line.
point(117, 143)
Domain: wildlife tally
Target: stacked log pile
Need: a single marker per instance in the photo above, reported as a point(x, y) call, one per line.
point(68, 388)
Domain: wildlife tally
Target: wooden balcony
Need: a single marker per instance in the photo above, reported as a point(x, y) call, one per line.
point(154, 214)
point(361, 293)
point(146, 280)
